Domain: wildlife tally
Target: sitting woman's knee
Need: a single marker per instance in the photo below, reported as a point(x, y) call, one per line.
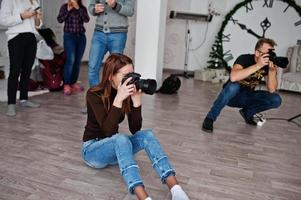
point(121, 139)
point(146, 136)
point(147, 133)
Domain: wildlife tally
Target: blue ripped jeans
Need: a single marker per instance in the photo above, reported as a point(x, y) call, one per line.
point(121, 148)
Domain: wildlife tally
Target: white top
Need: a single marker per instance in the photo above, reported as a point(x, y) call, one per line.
point(10, 16)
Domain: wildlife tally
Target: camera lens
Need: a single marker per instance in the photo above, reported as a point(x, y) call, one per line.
point(148, 86)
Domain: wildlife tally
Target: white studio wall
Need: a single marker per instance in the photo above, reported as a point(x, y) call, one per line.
point(3, 39)
point(150, 36)
point(50, 11)
point(202, 34)
point(271, 19)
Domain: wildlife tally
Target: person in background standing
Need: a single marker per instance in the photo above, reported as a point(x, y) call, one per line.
point(110, 31)
point(74, 14)
point(22, 17)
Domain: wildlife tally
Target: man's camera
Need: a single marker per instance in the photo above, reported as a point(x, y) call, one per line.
point(148, 86)
point(277, 60)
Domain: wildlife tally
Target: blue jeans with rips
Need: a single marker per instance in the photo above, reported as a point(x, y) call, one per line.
point(251, 101)
point(102, 43)
point(121, 148)
point(74, 45)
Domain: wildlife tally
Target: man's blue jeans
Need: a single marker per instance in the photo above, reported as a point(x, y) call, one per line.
point(121, 148)
point(102, 43)
point(74, 45)
point(251, 101)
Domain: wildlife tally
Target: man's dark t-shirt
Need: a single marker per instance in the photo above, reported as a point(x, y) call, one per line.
point(247, 60)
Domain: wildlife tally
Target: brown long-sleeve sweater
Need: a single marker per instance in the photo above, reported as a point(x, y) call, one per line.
point(102, 123)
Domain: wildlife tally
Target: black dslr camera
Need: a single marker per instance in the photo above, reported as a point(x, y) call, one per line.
point(148, 86)
point(281, 62)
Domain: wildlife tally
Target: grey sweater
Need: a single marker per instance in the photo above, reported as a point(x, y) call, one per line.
point(113, 20)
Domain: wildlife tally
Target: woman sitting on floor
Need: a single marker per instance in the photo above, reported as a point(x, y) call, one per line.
point(103, 145)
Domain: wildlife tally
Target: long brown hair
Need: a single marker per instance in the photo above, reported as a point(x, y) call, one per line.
point(111, 67)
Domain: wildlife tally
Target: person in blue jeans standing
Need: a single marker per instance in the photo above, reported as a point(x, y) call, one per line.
point(110, 33)
point(103, 145)
point(239, 91)
point(74, 14)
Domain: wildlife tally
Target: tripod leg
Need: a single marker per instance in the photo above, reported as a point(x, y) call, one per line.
point(292, 118)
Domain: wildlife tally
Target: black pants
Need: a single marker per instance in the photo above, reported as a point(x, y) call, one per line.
point(22, 52)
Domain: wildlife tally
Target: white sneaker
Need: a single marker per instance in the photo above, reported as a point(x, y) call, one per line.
point(259, 119)
point(29, 104)
point(11, 110)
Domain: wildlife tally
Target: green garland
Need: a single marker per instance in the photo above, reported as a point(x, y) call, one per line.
point(217, 51)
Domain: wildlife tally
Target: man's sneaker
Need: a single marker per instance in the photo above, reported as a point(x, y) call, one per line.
point(259, 119)
point(29, 104)
point(247, 120)
point(11, 110)
point(207, 125)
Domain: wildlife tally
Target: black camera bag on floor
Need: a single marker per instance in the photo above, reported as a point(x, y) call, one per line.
point(170, 85)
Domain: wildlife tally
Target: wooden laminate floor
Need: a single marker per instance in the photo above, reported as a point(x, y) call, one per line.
point(40, 150)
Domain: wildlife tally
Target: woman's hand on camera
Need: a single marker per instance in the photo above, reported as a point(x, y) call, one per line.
point(136, 97)
point(123, 92)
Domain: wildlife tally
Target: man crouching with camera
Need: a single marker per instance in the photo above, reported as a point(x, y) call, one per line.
point(246, 74)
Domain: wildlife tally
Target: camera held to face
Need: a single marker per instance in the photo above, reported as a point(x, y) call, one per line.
point(281, 62)
point(148, 86)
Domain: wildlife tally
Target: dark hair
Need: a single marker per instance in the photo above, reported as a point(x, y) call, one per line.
point(111, 67)
point(49, 36)
point(80, 3)
point(262, 41)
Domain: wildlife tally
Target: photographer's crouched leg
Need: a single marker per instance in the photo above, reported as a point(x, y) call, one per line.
point(256, 102)
point(145, 139)
point(275, 100)
point(229, 90)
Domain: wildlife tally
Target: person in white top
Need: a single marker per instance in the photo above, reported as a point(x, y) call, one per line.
point(22, 17)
